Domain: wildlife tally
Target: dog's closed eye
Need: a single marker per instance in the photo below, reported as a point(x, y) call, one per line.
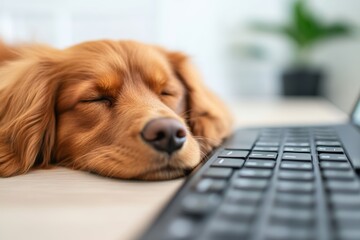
point(170, 91)
point(167, 93)
point(100, 99)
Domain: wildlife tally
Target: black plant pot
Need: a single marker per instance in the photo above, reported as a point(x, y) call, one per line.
point(301, 82)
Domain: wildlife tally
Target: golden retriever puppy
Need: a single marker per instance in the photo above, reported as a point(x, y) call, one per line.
point(116, 108)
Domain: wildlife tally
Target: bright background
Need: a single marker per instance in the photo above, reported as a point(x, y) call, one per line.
point(210, 31)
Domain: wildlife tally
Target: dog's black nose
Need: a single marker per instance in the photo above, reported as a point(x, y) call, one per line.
point(164, 134)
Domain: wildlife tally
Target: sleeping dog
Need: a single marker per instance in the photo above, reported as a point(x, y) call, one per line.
point(116, 108)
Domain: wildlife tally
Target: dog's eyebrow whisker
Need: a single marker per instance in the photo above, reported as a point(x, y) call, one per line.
point(204, 138)
point(185, 113)
point(195, 117)
point(113, 169)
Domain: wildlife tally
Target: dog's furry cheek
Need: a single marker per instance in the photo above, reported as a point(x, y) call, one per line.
point(191, 153)
point(210, 132)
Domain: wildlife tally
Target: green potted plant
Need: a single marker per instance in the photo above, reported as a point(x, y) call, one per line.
point(305, 30)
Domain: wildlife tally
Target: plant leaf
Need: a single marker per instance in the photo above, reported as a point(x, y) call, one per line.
point(307, 26)
point(305, 29)
point(336, 29)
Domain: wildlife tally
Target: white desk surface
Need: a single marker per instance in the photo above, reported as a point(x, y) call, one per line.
point(65, 204)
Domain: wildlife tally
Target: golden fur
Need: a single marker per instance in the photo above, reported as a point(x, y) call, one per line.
point(84, 108)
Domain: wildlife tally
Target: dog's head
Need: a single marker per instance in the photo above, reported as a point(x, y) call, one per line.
point(119, 109)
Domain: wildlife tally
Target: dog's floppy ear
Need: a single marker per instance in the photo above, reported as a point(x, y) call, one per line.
point(27, 117)
point(6, 53)
point(207, 115)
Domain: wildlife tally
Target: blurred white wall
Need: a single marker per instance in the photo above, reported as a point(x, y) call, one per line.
point(208, 30)
point(341, 58)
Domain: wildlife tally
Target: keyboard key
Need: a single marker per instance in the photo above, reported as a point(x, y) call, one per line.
point(266, 149)
point(296, 187)
point(200, 204)
point(216, 172)
point(255, 173)
point(259, 163)
point(269, 139)
point(332, 157)
point(327, 131)
point(293, 215)
point(330, 149)
point(335, 165)
point(349, 233)
point(340, 175)
point(241, 196)
point(297, 144)
point(254, 184)
point(297, 133)
point(238, 212)
point(295, 200)
point(297, 129)
point(296, 156)
point(272, 130)
point(233, 154)
point(211, 185)
point(295, 149)
point(228, 162)
point(296, 165)
point(343, 186)
point(181, 228)
point(287, 232)
point(343, 200)
point(346, 217)
point(323, 129)
point(263, 155)
point(297, 139)
point(326, 137)
point(220, 228)
point(238, 146)
point(296, 175)
point(267, 144)
point(328, 143)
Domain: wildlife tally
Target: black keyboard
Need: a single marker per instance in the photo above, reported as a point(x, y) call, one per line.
point(273, 183)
